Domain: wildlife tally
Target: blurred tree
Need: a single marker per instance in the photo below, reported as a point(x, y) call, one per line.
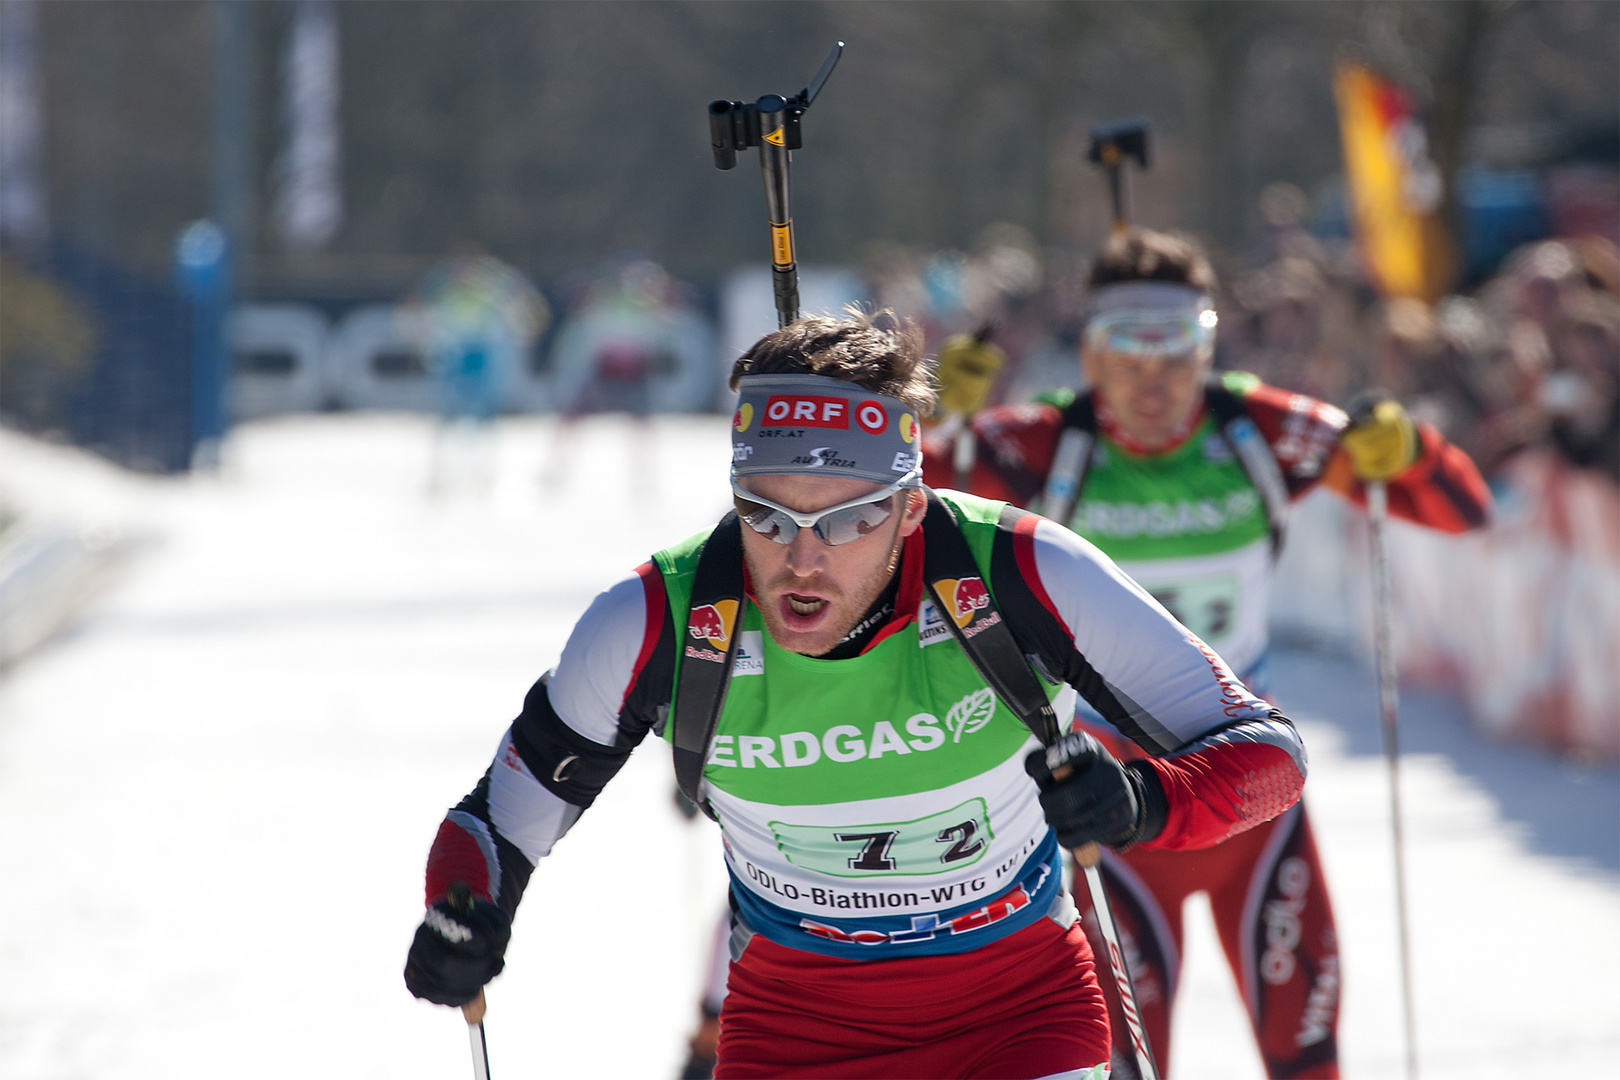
point(560, 133)
point(47, 341)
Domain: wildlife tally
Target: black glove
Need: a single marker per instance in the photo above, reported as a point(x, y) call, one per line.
point(458, 948)
point(1090, 797)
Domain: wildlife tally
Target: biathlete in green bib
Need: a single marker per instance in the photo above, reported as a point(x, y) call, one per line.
point(862, 681)
point(1185, 479)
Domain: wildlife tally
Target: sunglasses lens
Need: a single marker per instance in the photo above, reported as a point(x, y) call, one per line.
point(1149, 333)
point(854, 522)
point(768, 522)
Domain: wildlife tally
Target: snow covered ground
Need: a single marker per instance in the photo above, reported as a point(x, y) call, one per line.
point(216, 792)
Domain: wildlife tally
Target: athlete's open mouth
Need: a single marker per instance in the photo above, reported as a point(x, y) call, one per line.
point(805, 605)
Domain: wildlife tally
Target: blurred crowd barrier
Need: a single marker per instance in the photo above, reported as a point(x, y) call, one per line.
point(474, 329)
point(1523, 619)
point(1520, 620)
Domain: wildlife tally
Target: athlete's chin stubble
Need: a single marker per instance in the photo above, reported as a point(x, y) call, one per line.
point(850, 605)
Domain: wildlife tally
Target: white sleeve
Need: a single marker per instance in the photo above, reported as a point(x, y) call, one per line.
point(586, 692)
point(599, 662)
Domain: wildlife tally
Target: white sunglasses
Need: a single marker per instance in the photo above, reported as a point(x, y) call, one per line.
point(1151, 332)
point(841, 524)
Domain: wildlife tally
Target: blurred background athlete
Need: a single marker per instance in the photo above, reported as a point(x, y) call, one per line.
point(1184, 477)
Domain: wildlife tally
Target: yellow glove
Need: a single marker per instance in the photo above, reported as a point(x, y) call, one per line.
point(967, 370)
point(1381, 440)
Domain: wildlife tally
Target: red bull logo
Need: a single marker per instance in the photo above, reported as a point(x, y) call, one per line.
point(713, 622)
point(965, 597)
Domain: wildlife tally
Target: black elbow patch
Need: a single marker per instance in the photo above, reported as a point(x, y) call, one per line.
point(567, 764)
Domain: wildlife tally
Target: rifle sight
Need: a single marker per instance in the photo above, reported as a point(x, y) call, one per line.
point(735, 125)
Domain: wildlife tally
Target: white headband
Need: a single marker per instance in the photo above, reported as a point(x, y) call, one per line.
point(1156, 295)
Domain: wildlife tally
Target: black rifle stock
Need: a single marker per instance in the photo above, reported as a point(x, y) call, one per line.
point(1111, 146)
point(772, 124)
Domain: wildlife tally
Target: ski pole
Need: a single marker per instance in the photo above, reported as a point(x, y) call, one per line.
point(772, 124)
point(1384, 648)
point(1088, 856)
point(474, 1013)
point(460, 898)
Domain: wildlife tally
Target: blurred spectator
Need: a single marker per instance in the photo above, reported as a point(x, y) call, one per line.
point(630, 328)
point(1291, 326)
point(1558, 355)
point(1293, 321)
point(615, 339)
point(995, 290)
point(1582, 393)
point(476, 319)
point(1532, 360)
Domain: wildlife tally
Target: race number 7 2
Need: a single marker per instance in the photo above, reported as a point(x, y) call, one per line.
point(934, 844)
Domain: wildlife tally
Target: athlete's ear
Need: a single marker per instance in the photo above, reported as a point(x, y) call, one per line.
point(916, 508)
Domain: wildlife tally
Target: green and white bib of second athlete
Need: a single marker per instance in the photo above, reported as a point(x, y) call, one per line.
point(876, 805)
point(1191, 528)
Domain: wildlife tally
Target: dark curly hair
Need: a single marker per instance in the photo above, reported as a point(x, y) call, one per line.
point(1147, 255)
point(875, 351)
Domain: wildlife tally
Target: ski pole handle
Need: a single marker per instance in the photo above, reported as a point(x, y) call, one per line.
point(461, 900)
point(474, 1012)
point(474, 1009)
point(460, 897)
point(1088, 854)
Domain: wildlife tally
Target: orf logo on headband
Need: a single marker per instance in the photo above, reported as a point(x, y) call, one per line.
point(806, 410)
point(872, 417)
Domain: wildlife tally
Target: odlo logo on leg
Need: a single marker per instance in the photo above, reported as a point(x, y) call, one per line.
point(1282, 921)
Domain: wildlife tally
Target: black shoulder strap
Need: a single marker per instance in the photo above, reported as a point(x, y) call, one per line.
point(957, 585)
point(707, 649)
point(1253, 453)
point(1069, 461)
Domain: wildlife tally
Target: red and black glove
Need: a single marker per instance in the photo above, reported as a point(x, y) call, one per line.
point(459, 947)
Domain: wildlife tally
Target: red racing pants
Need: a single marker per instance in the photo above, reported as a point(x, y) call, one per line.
point(1275, 922)
point(1023, 1007)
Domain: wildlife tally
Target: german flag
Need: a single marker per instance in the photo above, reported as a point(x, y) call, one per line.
point(1395, 189)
